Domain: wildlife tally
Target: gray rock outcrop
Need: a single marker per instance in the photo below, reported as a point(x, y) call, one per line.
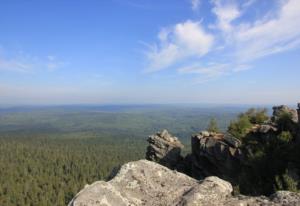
point(215, 154)
point(150, 184)
point(164, 149)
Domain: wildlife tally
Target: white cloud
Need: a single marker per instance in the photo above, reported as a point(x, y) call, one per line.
point(184, 40)
point(195, 4)
point(232, 41)
point(269, 36)
point(226, 13)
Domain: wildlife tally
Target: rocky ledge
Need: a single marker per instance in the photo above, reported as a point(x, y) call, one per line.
point(150, 184)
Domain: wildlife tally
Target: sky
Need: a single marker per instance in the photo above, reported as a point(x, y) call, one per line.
point(149, 51)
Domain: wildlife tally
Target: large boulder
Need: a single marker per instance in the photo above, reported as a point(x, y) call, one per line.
point(164, 149)
point(150, 184)
point(215, 154)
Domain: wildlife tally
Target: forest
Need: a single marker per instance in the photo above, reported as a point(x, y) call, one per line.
point(48, 154)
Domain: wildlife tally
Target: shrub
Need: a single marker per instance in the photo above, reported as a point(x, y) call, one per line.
point(240, 127)
point(285, 136)
point(213, 126)
point(257, 116)
point(284, 121)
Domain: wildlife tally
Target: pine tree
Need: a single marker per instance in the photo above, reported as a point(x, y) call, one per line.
point(213, 126)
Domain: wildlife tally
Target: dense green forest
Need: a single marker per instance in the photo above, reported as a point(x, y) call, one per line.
point(49, 171)
point(48, 154)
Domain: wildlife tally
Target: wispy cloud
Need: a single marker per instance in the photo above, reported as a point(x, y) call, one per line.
point(54, 63)
point(26, 63)
point(211, 71)
point(225, 13)
point(19, 63)
point(235, 42)
point(270, 35)
point(195, 4)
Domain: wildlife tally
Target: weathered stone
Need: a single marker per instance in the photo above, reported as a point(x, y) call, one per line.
point(267, 128)
point(231, 141)
point(286, 198)
point(278, 110)
point(164, 149)
point(215, 154)
point(205, 133)
point(150, 184)
point(137, 183)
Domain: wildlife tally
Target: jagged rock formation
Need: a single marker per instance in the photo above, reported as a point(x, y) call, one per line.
point(215, 154)
point(150, 184)
point(164, 149)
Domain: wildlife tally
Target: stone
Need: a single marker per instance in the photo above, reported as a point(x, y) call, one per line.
point(286, 198)
point(150, 184)
point(216, 155)
point(231, 141)
point(267, 129)
point(164, 149)
point(278, 110)
point(137, 183)
point(205, 133)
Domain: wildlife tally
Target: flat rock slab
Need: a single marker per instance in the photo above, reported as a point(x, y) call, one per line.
point(147, 183)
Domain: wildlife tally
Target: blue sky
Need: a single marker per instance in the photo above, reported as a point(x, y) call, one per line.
point(149, 51)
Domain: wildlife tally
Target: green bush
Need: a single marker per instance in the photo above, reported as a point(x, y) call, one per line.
point(257, 116)
point(285, 182)
point(285, 122)
point(213, 126)
point(285, 136)
point(240, 127)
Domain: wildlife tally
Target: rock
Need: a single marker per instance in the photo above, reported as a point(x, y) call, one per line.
point(286, 198)
point(215, 155)
point(231, 141)
point(205, 133)
point(211, 191)
point(278, 110)
point(267, 128)
point(150, 184)
point(137, 183)
point(164, 149)
point(263, 129)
